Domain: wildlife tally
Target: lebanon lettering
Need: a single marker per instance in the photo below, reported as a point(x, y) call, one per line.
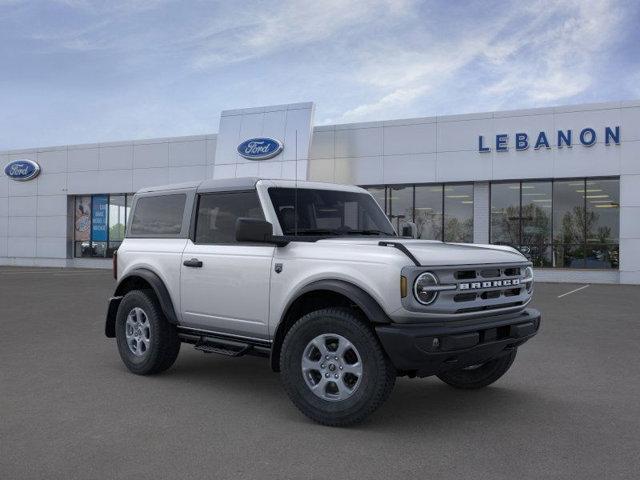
point(562, 139)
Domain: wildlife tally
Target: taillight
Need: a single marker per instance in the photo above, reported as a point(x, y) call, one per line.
point(114, 266)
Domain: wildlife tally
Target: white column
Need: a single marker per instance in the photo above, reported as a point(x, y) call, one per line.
point(630, 229)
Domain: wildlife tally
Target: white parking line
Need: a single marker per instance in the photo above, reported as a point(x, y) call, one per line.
point(573, 291)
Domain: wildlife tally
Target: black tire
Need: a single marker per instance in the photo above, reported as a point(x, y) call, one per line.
point(375, 384)
point(164, 344)
point(479, 377)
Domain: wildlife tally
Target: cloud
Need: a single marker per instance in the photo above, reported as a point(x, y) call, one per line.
point(120, 69)
point(552, 61)
point(541, 53)
point(287, 25)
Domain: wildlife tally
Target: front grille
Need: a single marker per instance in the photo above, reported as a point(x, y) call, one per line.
point(490, 273)
point(479, 288)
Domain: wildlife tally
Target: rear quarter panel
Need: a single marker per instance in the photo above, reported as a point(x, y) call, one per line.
point(160, 255)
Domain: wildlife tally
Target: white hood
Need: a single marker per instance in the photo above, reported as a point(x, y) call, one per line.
point(434, 253)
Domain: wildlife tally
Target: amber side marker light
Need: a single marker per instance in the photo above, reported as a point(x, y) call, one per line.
point(403, 286)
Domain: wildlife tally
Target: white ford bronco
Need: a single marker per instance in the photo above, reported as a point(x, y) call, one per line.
point(313, 277)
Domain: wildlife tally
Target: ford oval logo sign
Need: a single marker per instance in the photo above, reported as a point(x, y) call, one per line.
point(22, 170)
point(260, 148)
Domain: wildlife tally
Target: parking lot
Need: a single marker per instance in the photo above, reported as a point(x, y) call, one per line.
point(569, 408)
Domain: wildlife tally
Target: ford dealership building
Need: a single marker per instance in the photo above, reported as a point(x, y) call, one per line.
point(560, 184)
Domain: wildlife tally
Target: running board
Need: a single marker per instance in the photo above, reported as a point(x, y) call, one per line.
point(223, 347)
point(208, 342)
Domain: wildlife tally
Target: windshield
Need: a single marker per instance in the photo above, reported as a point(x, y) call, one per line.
point(328, 213)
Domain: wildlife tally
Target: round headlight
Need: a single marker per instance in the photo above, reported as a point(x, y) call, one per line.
point(423, 288)
point(528, 278)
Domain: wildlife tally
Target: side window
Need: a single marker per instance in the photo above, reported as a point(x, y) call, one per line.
point(218, 212)
point(158, 215)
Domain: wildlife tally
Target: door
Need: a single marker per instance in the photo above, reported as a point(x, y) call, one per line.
point(225, 284)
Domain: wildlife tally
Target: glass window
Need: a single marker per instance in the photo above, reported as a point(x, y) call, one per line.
point(603, 211)
point(458, 213)
point(428, 212)
point(158, 215)
point(400, 205)
point(536, 222)
point(569, 223)
point(564, 223)
point(117, 217)
point(117, 222)
point(378, 194)
point(505, 214)
point(603, 223)
point(218, 212)
point(327, 212)
point(100, 223)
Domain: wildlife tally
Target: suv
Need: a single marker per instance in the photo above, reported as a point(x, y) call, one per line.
point(313, 277)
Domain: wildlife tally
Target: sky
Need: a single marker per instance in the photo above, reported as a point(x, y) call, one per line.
point(80, 71)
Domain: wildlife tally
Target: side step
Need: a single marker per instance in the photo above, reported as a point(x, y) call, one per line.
point(222, 346)
point(212, 342)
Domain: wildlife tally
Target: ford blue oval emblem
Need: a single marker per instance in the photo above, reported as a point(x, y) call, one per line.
point(22, 170)
point(260, 148)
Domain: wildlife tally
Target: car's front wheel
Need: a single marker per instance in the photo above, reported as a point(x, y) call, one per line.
point(147, 343)
point(479, 376)
point(333, 367)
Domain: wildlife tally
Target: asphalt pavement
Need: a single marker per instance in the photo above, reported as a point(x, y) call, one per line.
point(568, 409)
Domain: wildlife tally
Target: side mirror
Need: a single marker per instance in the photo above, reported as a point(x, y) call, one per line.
point(410, 229)
point(257, 231)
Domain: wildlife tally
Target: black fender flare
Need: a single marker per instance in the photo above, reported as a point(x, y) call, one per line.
point(362, 299)
point(365, 302)
point(159, 288)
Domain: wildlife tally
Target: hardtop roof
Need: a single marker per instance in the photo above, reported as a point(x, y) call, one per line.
point(242, 183)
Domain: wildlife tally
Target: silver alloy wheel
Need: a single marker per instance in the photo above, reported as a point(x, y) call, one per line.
point(138, 331)
point(332, 367)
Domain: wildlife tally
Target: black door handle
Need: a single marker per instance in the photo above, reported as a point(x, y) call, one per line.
point(194, 262)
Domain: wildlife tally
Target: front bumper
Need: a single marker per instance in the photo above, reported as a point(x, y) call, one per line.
point(428, 349)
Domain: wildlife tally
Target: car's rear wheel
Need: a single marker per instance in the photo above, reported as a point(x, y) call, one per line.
point(333, 367)
point(479, 376)
point(147, 343)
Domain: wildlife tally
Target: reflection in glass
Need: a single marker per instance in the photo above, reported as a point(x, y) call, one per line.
point(378, 194)
point(458, 213)
point(566, 223)
point(603, 211)
point(536, 222)
point(428, 212)
point(400, 206)
point(602, 256)
point(569, 223)
point(568, 256)
point(505, 214)
point(117, 217)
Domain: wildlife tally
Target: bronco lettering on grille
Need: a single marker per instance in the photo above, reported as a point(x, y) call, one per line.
point(489, 284)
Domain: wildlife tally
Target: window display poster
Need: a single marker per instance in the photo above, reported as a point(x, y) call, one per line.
point(83, 219)
point(99, 218)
